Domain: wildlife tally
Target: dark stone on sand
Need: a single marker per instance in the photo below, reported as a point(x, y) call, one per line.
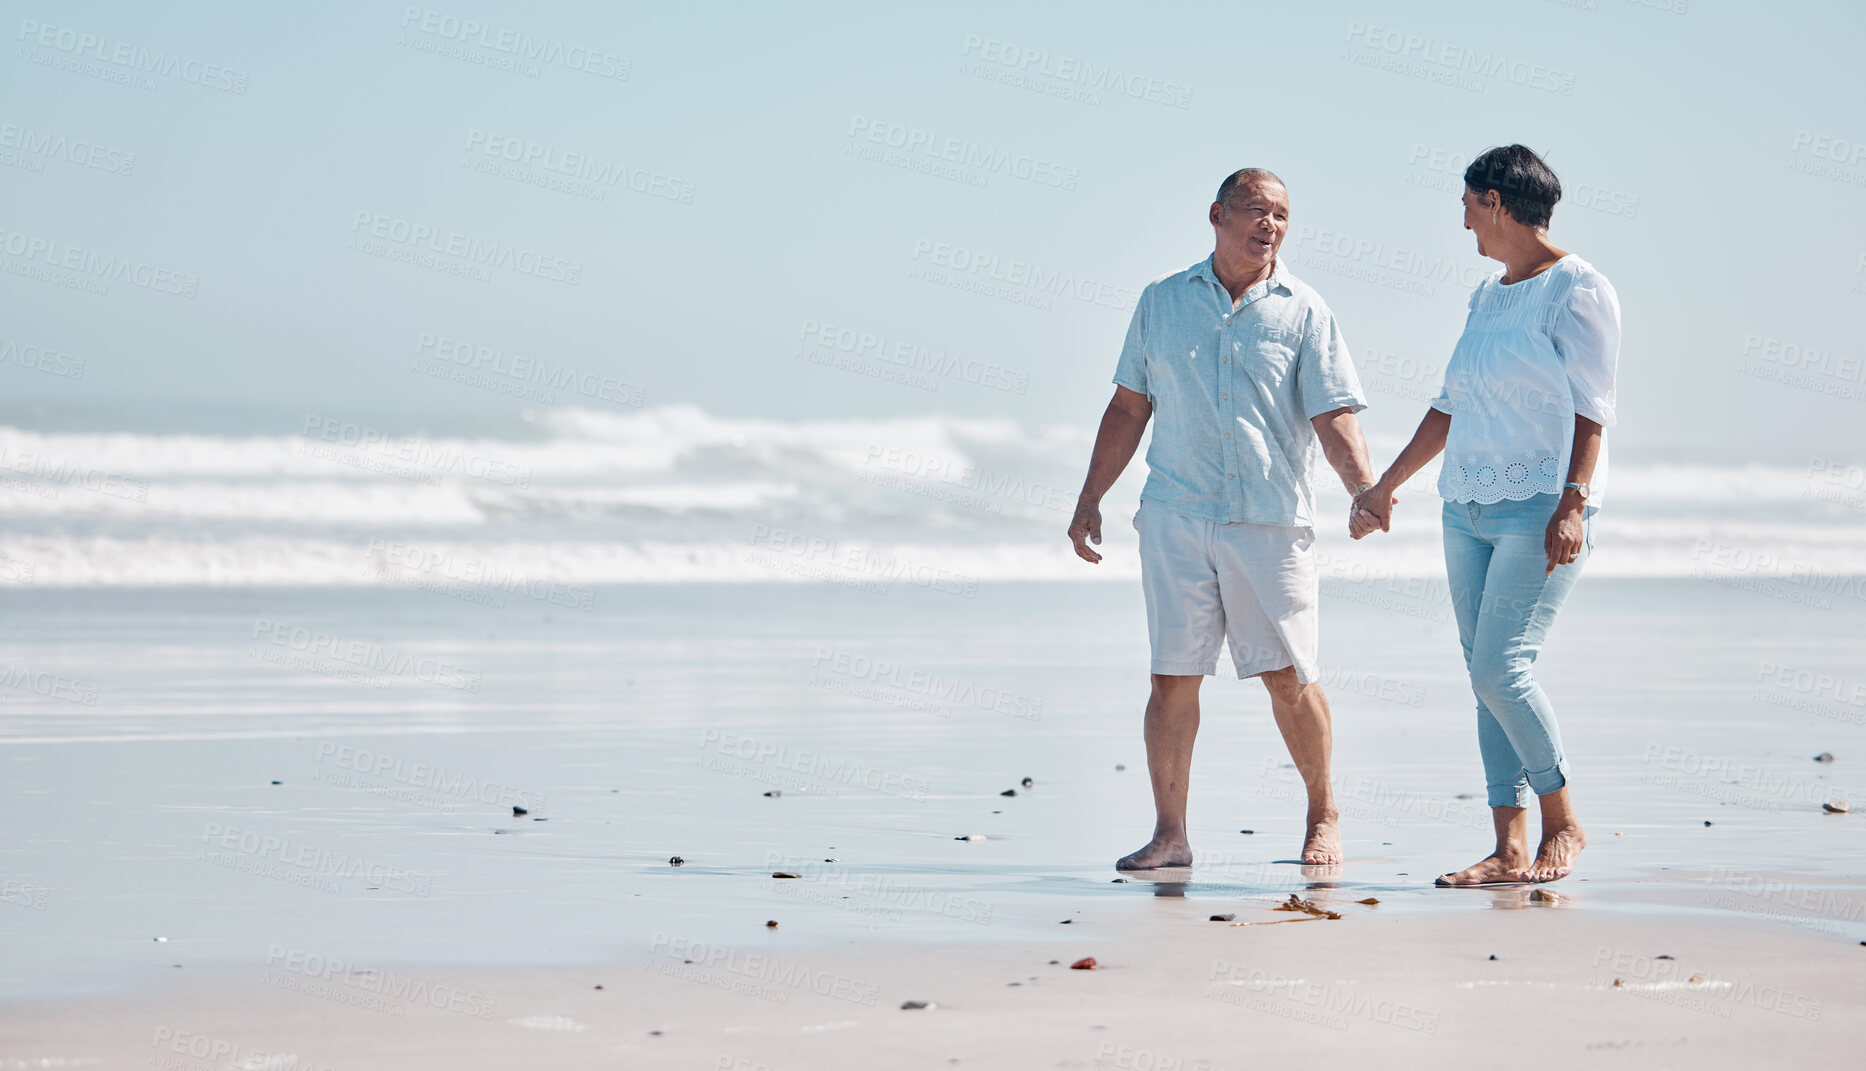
point(1707, 821)
point(517, 810)
point(1008, 792)
point(1248, 832)
point(1118, 881)
point(1493, 957)
point(1836, 807)
point(1054, 962)
point(599, 987)
point(1066, 922)
point(1028, 783)
point(913, 1005)
point(1118, 767)
point(784, 874)
point(1369, 900)
point(773, 794)
point(278, 782)
point(675, 860)
point(1086, 963)
point(771, 924)
point(1661, 957)
point(1223, 918)
point(654, 1033)
point(1825, 756)
point(1466, 795)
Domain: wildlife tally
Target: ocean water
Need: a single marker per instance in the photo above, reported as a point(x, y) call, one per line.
point(333, 770)
point(673, 494)
point(264, 691)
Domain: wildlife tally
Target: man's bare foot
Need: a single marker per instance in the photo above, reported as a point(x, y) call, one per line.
point(1322, 847)
point(1159, 852)
point(1492, 870)
point(1555, 858)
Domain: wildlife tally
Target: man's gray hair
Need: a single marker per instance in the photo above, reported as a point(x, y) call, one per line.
point(1244, 177)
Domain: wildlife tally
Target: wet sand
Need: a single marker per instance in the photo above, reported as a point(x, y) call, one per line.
point(383, 905)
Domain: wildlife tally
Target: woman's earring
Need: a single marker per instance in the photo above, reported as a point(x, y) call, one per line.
point(1493, 218)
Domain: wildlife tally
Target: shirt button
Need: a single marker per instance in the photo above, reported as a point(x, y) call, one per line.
point(1224, 360)
point(1227, 435)
point(1224, 397)
point(1231, 475)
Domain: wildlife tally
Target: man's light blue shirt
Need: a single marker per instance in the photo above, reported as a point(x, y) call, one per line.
point(1233, 391)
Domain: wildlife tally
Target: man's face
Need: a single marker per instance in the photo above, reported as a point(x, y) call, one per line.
point(1251, 223)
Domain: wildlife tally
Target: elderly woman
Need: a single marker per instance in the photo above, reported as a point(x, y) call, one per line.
point(1527, 392)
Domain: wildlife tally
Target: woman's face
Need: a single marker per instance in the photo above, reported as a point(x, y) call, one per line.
point(1478, 217)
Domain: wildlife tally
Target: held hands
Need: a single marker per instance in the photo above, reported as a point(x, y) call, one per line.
point(1086, 527)
point(1371, 510)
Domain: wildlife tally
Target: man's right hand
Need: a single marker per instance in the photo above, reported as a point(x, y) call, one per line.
point(1372, 511)
point(1086, 528)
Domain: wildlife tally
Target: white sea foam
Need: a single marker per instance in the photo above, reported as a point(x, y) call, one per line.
point(679, 495)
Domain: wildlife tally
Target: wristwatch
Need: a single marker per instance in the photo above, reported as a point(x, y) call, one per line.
point(1583, 489)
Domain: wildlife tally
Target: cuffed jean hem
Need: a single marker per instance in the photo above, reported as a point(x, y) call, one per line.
point(1539, 783)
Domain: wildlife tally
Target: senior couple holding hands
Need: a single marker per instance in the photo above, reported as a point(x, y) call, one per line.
point(1244, 372)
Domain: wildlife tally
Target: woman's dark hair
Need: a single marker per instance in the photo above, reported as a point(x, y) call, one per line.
point(1526, 185)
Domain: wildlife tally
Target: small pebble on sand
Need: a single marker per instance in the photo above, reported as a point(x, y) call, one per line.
point(1707, 821)
point(773, 794)
point(914, 1005)
point(771, 924)
point(516, 811)
point(971, 837)
point(1118, 767)
point(1493, 957)
point(1227, 917)
point(1028, 783)
point(1836, 807)
point(1118, 881)
point(1545, 895)
point(1369, 900)
point(675, 860)
point(1086, 963)
point(1825, 756)
point(1248, 832)
point(1008, 792)
point(784, 874)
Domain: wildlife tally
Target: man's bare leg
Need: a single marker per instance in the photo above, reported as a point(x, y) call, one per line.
point(1172, 725)
point(1303, 717)
point(1508, 862)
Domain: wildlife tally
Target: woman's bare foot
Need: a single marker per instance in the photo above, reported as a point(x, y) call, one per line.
point(1556, 855)
point(1159, 852)
point(1495, 869)
point(1322, 847)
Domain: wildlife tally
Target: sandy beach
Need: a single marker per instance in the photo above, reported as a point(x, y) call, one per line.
point(225, 860)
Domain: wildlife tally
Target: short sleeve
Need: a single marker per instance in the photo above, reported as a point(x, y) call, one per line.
point(1131, 370)
point(1325, 375)
point(1586, 334)
point(1443, 402)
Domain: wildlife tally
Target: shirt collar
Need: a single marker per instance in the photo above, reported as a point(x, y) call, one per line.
point(1279, 276)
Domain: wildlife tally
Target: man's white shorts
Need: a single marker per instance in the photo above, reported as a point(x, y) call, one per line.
point(1205, 582)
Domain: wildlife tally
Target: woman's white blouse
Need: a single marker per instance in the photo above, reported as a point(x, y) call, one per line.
point(1533, 354)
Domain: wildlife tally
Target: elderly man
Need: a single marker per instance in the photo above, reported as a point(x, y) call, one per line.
point(1247, 371)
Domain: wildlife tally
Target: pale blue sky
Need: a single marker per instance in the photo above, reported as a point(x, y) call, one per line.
point(346, 111)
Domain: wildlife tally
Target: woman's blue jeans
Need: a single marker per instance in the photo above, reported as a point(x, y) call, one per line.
point(1505, 603)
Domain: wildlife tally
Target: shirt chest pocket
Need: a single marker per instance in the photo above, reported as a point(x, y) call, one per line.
point(1268, 355)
